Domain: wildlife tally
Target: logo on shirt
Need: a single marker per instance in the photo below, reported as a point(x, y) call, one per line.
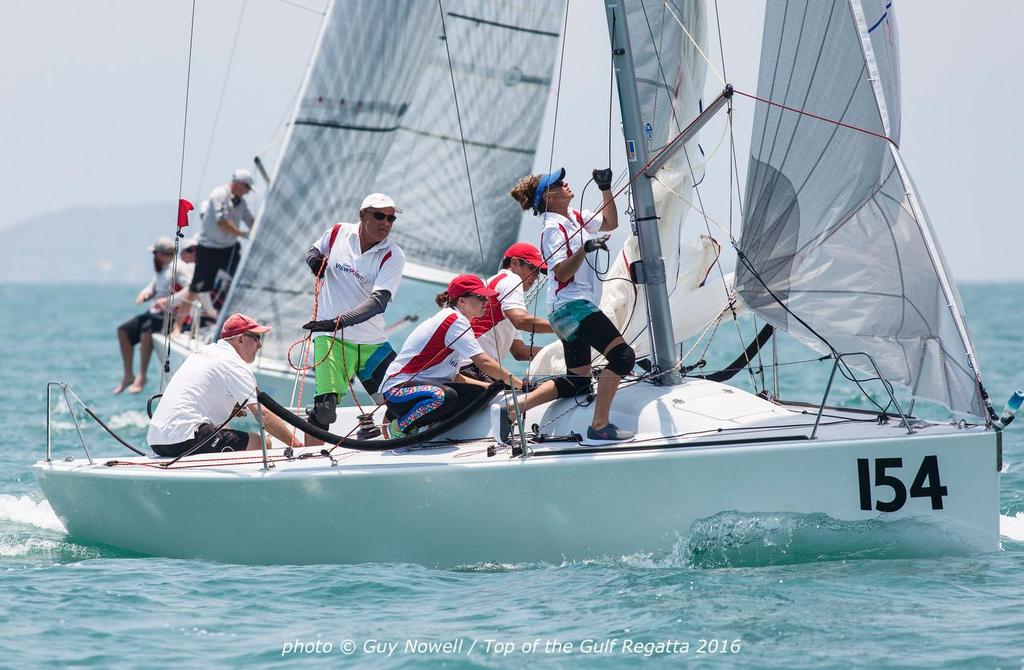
point(350, 269)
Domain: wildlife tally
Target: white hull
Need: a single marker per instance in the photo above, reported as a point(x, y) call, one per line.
point(452, 505)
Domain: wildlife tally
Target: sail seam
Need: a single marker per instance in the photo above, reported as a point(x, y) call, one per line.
point(345, 126)
point(474, 143)
point(498, 24)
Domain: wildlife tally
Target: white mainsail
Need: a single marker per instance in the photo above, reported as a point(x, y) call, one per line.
point(836, 248)
point(377, 113)
point(502, 58)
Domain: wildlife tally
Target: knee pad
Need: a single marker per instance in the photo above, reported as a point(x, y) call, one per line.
point(324, 410)
point(621, 359)
point(570, 385)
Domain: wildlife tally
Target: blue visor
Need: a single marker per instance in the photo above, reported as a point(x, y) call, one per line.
point(545, 182)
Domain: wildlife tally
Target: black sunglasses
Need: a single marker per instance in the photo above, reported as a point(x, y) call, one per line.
point(258, 338)
point(380, 216)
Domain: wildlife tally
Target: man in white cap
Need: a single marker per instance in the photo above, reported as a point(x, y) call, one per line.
point(139, 329)
point(211, 387)
point(223, 215)
point(361, 268)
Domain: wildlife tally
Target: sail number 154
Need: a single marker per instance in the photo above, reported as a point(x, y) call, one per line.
point(926, 484)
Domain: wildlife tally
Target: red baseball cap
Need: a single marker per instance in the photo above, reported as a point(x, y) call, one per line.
point(527, 252)
point(240, 323)
point(464, 284)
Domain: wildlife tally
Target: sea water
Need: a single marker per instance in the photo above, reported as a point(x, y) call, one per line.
point(736, 591)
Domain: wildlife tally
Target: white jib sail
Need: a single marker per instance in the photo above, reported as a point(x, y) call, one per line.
point(836, 247)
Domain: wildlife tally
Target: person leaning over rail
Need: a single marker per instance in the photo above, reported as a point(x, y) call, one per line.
point(423, 384)
point(574, 292)
point(212, 386)
point(223, 215)
point(139, 329)
point(497, 330)
point(361, 268)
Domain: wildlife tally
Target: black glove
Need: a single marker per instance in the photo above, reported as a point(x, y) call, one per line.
point(603, 179)
point(315, 261)
point(595, 244)
point(322, 326)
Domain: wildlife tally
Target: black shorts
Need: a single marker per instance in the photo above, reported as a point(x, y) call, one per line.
point(596, 331)
point(226, 440)
point(209, 261)
point(141, 323)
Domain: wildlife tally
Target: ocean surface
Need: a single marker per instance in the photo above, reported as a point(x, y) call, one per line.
point(760, 595)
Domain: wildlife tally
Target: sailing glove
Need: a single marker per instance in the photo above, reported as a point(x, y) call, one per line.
point(603, 179)
point(596, 243)
point(322, 326)
point(315, 261)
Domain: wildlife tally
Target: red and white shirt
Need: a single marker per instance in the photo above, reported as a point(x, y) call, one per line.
point(493, 330)
point(560, 238)
point(433, 351)
point(351, 276)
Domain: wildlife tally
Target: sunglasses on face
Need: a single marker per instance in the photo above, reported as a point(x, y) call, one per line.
point(474, 295)
point(380, 216)
point(253, 336)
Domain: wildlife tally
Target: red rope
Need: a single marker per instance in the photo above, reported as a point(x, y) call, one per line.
point(819, 118)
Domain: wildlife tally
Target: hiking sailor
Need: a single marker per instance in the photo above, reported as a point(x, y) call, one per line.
point(360, 267)
point(139, 329)
point(574, 293)
point(506, 313)
point(211, 387)
point(223, 214)
point(423, 384)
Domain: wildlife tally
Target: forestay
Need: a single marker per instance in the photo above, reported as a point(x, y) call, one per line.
point(836, 248)
point(502, 58)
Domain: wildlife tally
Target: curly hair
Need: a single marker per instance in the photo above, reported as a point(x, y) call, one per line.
point(525, 190)
point(442, 299)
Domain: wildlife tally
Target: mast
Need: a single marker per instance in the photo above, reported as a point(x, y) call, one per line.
point(653, 264)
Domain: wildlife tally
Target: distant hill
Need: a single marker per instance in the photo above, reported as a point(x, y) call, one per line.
point(87, 244)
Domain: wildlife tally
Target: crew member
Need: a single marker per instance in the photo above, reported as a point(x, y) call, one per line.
point(497, 330)
point(574, 294)
point(423, 384)
point(223, 215)
point(361, 268)
point(139, 329)
point(212, 386)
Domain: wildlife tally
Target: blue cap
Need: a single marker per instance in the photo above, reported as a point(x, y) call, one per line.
point(545, 182)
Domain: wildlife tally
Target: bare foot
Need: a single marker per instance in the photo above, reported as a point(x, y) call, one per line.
point(123, 385)
point(137, 385)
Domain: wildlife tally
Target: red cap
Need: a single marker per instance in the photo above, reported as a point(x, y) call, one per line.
point(527, 252)
point(464, 284)
point(240, 323)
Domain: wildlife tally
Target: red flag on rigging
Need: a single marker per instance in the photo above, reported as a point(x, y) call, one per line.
point(184, 207)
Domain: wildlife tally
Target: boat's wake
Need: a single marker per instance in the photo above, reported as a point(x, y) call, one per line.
point(1012, 527)
point(26, 510)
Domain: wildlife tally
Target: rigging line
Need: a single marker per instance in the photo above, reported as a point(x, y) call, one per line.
point(220, 101)
point(299, 5)
point(462, 135)
point(818, 117)
point(721, 45)
point(558, 88)
point(696, 46)
point(165, 369)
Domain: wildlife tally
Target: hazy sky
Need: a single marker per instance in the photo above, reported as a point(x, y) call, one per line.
point(93, 94)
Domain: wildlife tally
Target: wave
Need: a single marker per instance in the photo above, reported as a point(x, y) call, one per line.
point(26, 510)
point(129, 419)
point(1012, 527)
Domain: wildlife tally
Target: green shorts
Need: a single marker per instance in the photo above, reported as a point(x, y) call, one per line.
point(346, 360)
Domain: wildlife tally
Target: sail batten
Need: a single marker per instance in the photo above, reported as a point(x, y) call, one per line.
point(836, 248)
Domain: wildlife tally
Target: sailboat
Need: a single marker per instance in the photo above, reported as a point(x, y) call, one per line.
point(836, 251)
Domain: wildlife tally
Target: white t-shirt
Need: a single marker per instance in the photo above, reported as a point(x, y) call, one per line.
point(163, 287)
point(351, 276)
point(433, 351)
point(205, 389)
point(219, 206)
point(493, 330)
point(584, 285)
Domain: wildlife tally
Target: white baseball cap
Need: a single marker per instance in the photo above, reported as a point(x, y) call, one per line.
point(163, 245)
point(243, 177)
point(189, 242)
point(379, 201)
